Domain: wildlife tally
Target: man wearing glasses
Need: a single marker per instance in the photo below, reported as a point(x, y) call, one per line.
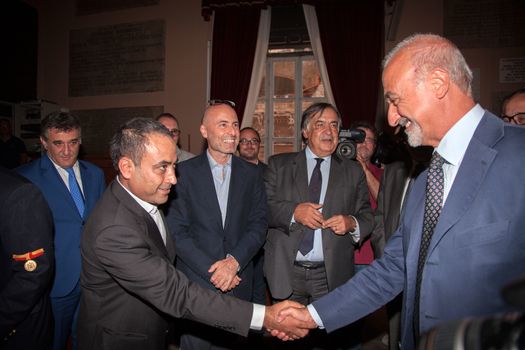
point(514, 107)
point(172, 124)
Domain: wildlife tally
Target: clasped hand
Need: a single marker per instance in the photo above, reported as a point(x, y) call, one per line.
point(224, 274)
point(288, 320)
point(309, 215)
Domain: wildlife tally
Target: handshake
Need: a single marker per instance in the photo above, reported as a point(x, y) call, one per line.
point(288, 320)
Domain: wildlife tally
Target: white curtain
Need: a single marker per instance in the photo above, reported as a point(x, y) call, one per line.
point(315, 40)
point(259, 63)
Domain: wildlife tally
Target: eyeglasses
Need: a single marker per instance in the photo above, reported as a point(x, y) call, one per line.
point(251, 142)
point(518, 118)
point(174, 132)
point(221, 102)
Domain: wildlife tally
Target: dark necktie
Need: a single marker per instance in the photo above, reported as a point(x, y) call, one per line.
point(314, 193)
point(74, 189)
point(433, 203)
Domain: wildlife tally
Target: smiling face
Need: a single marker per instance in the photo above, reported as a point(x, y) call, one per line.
point(409, 103)
point(151, 180)
point(249, 145)
point(62, 146)
point(220, 127)
point(322, 133)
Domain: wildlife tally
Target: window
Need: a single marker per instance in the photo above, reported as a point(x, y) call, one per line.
point(291, 83)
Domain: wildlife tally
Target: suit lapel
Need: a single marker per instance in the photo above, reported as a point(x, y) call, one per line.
point(300, 176)
point(55, 180)
point(476, 162)
point(335, 178)
point(152, 231)
point(233, 192)
point(208, 189)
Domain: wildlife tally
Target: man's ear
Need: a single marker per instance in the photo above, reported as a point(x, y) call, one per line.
point(203, 131)
point(126, 167)
point(43, 142)
point(439, 82)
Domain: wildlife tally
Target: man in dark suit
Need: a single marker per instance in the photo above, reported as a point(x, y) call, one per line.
point(335, 222)
point(26, 265)
point(249, 143)
point(477, 243)
point(71, 188)
point(218, 219)
point(130, 287)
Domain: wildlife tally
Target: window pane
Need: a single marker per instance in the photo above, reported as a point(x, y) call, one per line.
point(312, 85)
point(262, 88)
point(282, 147)
point(258, 118)
point(284, 82)
point(283, 119)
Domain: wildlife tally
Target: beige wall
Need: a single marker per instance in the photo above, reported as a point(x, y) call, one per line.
point(187, 36)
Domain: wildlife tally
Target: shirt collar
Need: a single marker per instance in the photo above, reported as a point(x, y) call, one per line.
point(455, 142)
point(312, 155)
point(150, 208)
point(214, 164)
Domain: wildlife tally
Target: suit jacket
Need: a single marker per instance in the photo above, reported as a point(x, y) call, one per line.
point(194, 219)
point(287, 186)
point(26, 225)
point(386, 215)
point(67, 220)
point(259, 283)
point(130, 286)
point(478, 243)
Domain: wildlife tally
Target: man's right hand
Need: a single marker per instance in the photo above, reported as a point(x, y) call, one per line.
point(309, 215)
point(285, 328)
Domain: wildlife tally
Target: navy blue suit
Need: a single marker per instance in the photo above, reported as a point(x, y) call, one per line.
point(477, 247)
point(194, 220)
point(67, 220)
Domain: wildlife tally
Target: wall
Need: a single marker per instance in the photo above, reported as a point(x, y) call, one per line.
point(187, 36)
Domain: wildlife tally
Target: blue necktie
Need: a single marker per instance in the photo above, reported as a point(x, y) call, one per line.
point(314, 194)
point(74, 189)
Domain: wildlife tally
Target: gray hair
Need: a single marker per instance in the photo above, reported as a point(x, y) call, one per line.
point(430, 51)
point(131, 139)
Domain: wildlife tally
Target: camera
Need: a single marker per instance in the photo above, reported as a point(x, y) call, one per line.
point(348, 139)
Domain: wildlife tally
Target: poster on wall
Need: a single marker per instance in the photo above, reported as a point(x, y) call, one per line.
point(484, 23)
point(117, 59)
point(99, 125)
point(512, 70)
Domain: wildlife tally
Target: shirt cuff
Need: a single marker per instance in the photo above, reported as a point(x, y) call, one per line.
point(257, 317)
point(356, 234)
point(238, 268)
point(315, 316)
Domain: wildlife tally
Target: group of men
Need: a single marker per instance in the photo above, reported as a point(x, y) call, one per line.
point(457, 244)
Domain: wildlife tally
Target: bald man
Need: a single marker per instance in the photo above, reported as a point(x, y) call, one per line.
point(218, 219)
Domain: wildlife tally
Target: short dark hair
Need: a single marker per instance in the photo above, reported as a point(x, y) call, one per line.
point(131, 138)
point(314, 109)
point(363, 124)
point(167, 115)
point(63, 121)
point(509, 96)
point(252, 129)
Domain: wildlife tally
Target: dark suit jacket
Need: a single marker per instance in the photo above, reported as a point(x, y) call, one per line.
point(26, 225)
point(259, 283)
point(386, 215)
point(130, 286)
point(194, 220)
point(287, 186)
point(68, 222)
point(478, 244)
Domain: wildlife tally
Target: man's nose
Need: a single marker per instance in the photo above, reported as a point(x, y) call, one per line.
point(392, 115)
